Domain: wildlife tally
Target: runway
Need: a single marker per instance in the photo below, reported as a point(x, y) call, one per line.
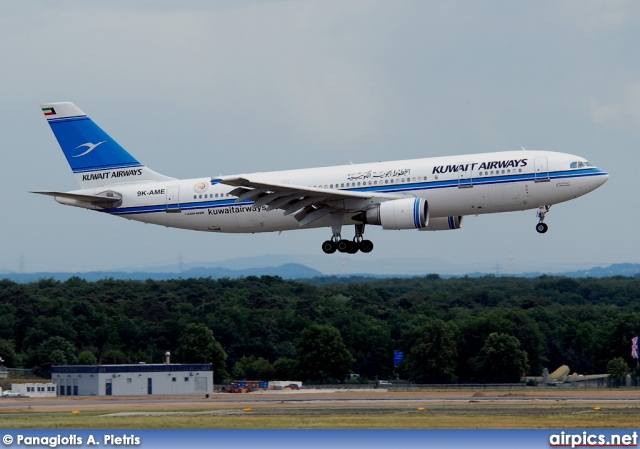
point(343, 401)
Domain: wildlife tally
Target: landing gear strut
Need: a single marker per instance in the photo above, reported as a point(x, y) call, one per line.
point(347, 246)
point(542, 227)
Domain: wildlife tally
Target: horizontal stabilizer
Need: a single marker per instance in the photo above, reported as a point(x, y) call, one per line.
point(107, 200)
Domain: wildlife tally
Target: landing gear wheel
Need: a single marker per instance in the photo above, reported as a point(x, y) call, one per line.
point(366, 246)
point(328, 247)
point(352, 248)
point(542, 228)
point(343, 246)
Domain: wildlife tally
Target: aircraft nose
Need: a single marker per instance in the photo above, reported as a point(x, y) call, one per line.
point(601, 178)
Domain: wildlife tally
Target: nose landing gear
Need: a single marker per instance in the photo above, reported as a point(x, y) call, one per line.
point(542, 227)
point(348, 246)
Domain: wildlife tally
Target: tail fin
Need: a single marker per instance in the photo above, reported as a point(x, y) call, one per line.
point(95, 158)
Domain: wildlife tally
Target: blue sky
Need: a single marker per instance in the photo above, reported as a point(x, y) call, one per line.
point(197, 88)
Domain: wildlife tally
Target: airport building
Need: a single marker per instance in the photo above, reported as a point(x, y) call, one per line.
point(35, 390)
point(133, 380)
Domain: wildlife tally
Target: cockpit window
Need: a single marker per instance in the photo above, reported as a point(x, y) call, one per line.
point(581, 164)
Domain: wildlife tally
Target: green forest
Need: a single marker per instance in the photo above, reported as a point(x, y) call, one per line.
point(487, 329)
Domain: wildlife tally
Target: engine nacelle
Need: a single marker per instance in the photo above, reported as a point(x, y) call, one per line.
point(444, 224)
point(407, 213)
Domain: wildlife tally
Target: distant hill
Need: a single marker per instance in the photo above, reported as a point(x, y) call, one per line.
point(293, 271)
point(618, 269)
point(286, 271)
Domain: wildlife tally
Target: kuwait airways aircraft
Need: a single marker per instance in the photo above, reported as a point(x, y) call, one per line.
point(430, 194)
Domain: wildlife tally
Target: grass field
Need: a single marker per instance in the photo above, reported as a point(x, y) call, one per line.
point(259, 418)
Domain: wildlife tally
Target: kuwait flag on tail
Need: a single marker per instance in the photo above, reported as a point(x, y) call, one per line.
point(634, 347)
point(49, 111)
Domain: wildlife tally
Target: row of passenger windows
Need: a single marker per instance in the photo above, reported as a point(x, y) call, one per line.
point(374, 182)
point(498, 172)
point(207, 195)
point(370, 183)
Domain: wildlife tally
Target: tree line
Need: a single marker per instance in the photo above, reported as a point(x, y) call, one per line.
point(487, 329)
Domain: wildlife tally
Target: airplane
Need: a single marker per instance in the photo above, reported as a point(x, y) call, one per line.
point(429, 194)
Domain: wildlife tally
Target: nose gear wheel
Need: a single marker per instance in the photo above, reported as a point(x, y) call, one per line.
point(542, 227)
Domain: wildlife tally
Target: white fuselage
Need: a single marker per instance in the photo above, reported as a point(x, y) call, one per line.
point(453, 186)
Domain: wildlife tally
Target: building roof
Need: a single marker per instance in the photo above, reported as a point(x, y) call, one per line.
point(137, 368)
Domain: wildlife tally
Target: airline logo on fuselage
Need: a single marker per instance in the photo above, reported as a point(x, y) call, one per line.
point(492, 165)
point(112, 174)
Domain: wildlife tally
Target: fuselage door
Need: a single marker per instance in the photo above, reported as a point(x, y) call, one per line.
point(173, 199)
point(465, 175)
point(541, 169)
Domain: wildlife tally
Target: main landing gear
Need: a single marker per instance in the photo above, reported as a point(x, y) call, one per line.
point(542, 227)
point(348, 246)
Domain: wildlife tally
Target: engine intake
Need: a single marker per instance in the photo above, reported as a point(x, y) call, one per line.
point(407, 213)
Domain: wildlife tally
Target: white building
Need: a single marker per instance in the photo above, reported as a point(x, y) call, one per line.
point(35, 390)
point(133, 380)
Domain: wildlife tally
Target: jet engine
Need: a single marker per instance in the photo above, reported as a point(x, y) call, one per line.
point(444, 224)
point(407, 213)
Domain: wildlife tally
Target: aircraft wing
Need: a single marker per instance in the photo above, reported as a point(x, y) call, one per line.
point(307, 203)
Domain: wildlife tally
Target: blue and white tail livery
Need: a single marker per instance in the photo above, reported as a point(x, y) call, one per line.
point(95, 158)
point(429, 194)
